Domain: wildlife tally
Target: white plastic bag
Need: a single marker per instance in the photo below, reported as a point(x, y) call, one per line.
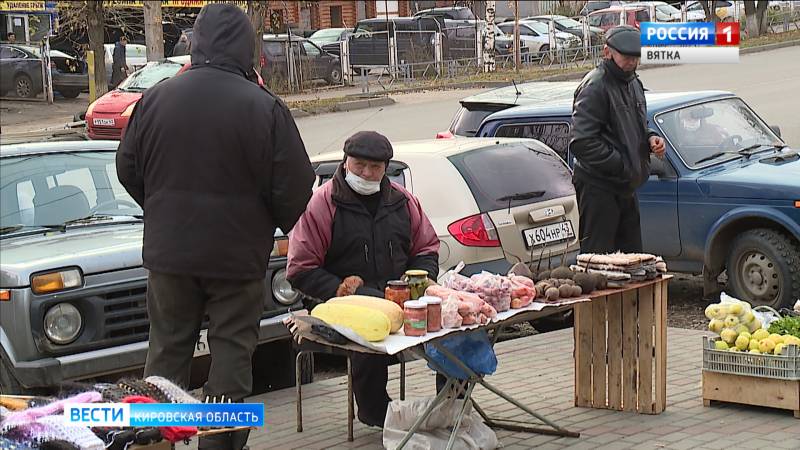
point(434, 432)
point(764, 314)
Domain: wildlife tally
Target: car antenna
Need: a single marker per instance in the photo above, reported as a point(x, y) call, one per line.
point(516, 89)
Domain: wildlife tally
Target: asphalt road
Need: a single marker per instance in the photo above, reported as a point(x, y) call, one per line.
point(768, 81)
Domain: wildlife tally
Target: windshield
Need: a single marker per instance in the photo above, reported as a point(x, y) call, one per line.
point(568, 23)
point(668, 9)
point(149, 75)
point(54, 188)
point(699, 131)
point(330, 33)
point(539, 27)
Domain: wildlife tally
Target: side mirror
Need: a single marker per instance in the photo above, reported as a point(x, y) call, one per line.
point(777, 130)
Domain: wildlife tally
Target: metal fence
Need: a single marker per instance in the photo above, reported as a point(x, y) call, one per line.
point(378, 60)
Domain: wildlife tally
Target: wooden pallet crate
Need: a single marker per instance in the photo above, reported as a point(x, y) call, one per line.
point(621, 348)
point(756, 391)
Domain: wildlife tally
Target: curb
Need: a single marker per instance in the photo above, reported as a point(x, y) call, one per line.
point(352, 105)
point(768, 47)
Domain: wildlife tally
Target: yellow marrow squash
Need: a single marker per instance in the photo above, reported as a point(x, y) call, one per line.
point(392, 310)
point(371, 324)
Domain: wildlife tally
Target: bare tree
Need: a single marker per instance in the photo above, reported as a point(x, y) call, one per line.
point(488, 47)
point(153, 30)
point(756, 13)
point(709, 10)
point(93, 12)
point(256, 11)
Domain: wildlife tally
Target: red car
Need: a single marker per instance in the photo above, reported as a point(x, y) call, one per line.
point(108, 116)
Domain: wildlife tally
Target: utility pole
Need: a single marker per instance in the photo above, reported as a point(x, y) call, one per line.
point(153, 30)
point(516, 36)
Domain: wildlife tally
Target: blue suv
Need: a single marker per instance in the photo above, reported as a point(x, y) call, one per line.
point(724, 201)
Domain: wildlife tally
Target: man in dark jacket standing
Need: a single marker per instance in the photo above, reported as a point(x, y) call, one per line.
point(119, 62)
point(359, 231)
point(216, 163)
point(612, 145)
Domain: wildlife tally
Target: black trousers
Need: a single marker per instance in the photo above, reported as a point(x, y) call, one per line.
point(176, 305)
point(608, 222)
point(370, 375)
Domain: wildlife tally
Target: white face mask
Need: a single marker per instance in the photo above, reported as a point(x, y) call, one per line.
point(362, 186)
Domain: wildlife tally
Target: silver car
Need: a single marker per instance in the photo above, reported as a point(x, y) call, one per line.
point(72, 285)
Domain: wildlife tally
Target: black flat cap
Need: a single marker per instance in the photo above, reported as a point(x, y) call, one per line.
point(369, 145)
point(625, 39)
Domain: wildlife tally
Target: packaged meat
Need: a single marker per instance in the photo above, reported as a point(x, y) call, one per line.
point(450, 316)
point(459, 283)
point(493, 289)
point(522, 291)
point(468, 302)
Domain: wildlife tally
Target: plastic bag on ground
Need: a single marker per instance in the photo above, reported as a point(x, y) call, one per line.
point(434, 432)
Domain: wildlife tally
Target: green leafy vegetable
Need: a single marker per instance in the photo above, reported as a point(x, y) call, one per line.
point(786, 325)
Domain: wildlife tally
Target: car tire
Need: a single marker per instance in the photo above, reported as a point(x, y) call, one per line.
point(763, 268)
point(335, 76)
point(546, 58)
point(23, 86)
point(70, 93)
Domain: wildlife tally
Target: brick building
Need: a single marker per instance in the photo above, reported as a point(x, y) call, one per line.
point(313, 15)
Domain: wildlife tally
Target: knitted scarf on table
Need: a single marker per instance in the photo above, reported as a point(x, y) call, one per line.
point(171, 390)
point(29, 416)
point(172, 434)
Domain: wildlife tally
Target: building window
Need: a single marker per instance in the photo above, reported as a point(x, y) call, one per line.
point(336, 17)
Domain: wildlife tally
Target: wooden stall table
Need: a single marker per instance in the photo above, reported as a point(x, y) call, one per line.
point(621, 348)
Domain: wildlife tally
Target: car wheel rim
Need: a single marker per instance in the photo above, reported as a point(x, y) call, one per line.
point(336, 76)
point(23, 87)
point(760, 278)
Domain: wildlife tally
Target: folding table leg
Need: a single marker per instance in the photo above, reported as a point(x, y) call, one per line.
point(460, 416)
point(402, 379)
point(557, 430)
point(438, 399)
point(350, 408)
point(298, 376)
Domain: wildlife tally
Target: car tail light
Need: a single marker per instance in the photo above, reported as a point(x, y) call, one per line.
point(475, 231)
point(444, 135)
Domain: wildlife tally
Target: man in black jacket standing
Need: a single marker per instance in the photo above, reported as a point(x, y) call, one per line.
point(216, 163)
point(612, 145)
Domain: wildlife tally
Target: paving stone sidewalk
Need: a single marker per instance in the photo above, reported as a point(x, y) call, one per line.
point(538, 371)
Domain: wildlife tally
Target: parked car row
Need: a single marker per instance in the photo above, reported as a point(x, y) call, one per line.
point(21, 72)
point(723, 200)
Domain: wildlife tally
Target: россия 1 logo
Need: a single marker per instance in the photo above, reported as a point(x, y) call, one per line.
point(690, 43)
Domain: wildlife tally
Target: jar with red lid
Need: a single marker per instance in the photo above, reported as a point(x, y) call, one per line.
point(415, 318)
point(434, 312)
point(397, 291)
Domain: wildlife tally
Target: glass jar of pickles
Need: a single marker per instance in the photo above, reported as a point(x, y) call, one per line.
point(397, 291)
point(417, 282)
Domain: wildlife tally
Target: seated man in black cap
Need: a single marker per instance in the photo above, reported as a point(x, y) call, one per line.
point(359, 231)
point(612, 145)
